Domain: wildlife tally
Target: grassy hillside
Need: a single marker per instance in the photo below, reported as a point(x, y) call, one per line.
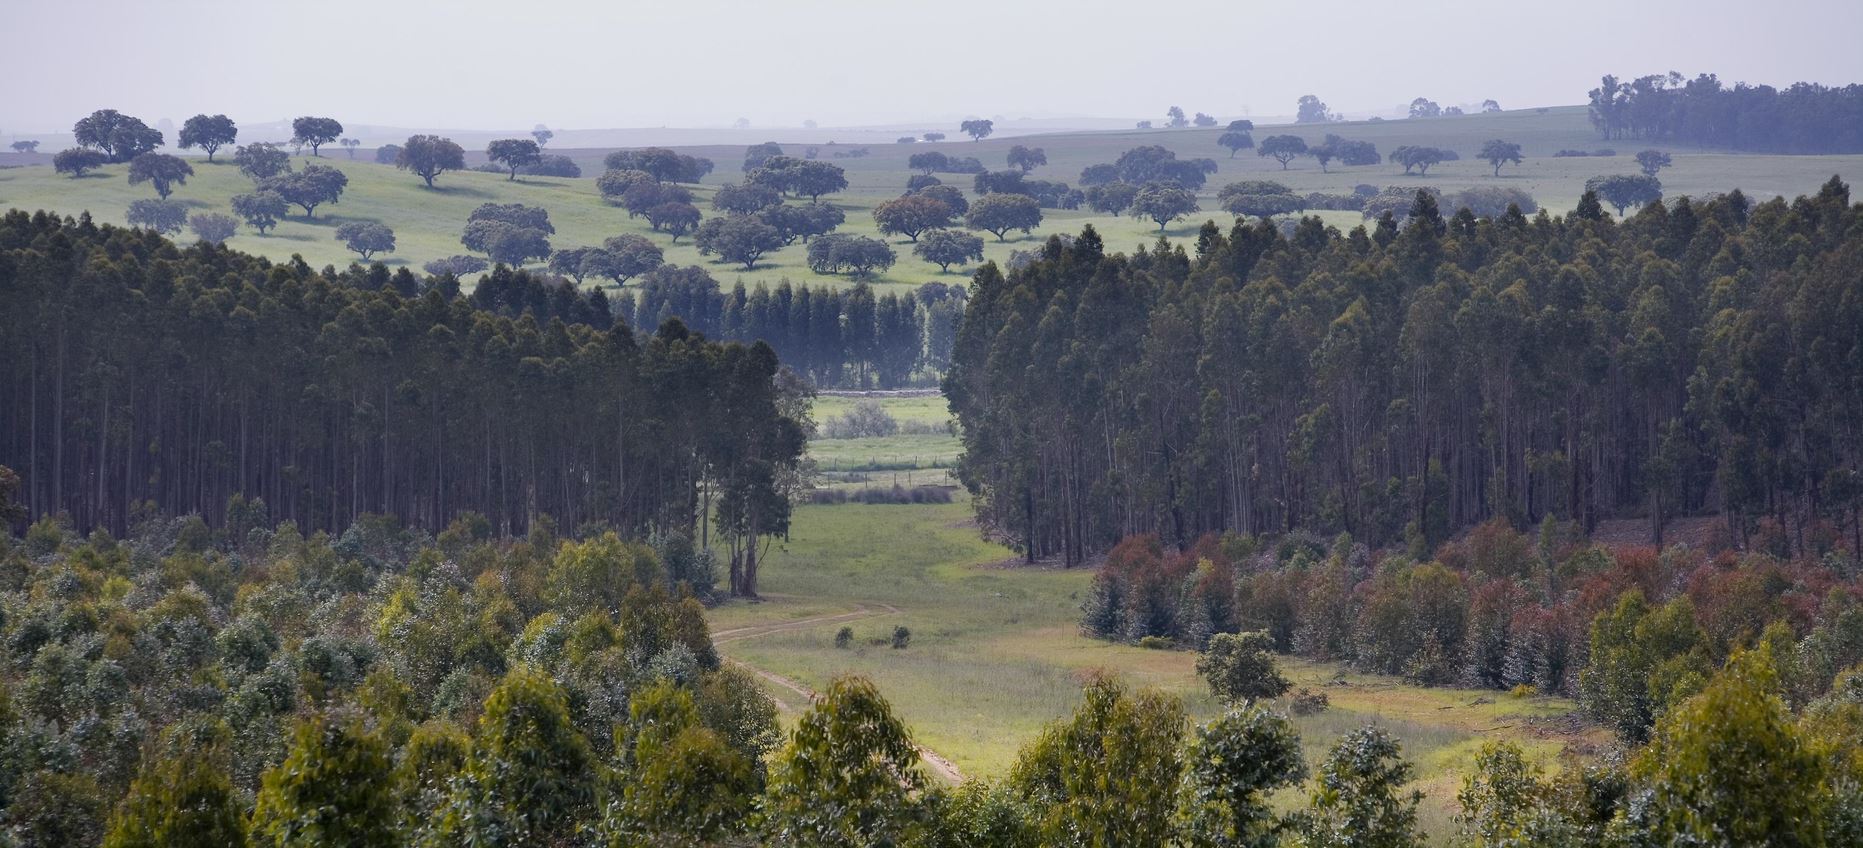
point(427, 223)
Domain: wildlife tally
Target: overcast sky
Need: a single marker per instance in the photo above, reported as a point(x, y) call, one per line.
point(497, 64)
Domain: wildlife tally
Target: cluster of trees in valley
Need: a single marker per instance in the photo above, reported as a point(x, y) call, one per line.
point(1403, 383)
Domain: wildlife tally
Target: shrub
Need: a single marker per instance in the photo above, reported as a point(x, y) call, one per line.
point(1156, 643)
point(1308, 702)
point(844, 638)
point(901, 637)
point(867, 419)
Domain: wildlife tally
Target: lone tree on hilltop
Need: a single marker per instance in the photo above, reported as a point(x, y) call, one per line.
point(27, 146)
point(315, 132)
point(208, 132)
point(514, 153)
point(978, 128)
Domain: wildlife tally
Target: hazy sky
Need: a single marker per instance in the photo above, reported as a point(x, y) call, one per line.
point(622, 63)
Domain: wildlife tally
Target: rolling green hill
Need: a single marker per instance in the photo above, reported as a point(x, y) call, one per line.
point(427, 223)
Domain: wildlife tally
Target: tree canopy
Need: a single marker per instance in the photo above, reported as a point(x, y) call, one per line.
point(209, 133)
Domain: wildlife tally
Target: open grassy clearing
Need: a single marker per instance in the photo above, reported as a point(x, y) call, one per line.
point(996, 653)
point(928, 409)
point(427, 223)
point(919, 458)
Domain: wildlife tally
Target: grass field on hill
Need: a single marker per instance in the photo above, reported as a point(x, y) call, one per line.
point(995, 651)
point(427, 223)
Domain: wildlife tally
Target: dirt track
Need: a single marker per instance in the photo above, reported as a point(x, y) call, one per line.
point(940, 766)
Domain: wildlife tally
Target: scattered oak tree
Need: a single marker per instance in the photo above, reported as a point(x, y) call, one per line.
point(315, 132)
point(1236, 140)
point(429, 156)
point(1652, 161)
point(1000, 213)
point(75, 161)
point(119, 136)
point(1626, 190)
point(1497, 153)
point(208, 132)
point(509, 233)
point(309, 188)
point(163, 216)
point(737, 238)
point(514, 154)
point(260, 209)
point(160, 170)
point(261, 161)
point(1282, 148)
point(366, 238)
point(978, 128)
point(213, 227)
point(913, 214)
point(1163, 203)
point(945, 248)
point(1027, 159)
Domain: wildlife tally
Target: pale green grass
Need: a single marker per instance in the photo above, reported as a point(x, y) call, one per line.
point(931, 409)
point(996, 652)
point(928, 450)
point(428, 223)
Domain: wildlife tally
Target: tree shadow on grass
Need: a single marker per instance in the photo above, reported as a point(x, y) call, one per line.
point(332, 220)
point(461, 191)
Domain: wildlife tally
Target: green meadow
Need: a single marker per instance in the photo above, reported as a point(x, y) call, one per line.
point(427, 223)
point(995, 652)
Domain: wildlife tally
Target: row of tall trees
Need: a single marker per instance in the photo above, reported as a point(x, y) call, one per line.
point(833, 337)
point(138, 375)
point(1404, 382)
point(1801, 118)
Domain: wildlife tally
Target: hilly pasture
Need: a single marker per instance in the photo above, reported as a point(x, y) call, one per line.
point(427, 223)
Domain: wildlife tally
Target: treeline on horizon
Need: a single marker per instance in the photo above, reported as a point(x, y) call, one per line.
point(1804, 117)
point(1401, 384)
point(142, 377)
